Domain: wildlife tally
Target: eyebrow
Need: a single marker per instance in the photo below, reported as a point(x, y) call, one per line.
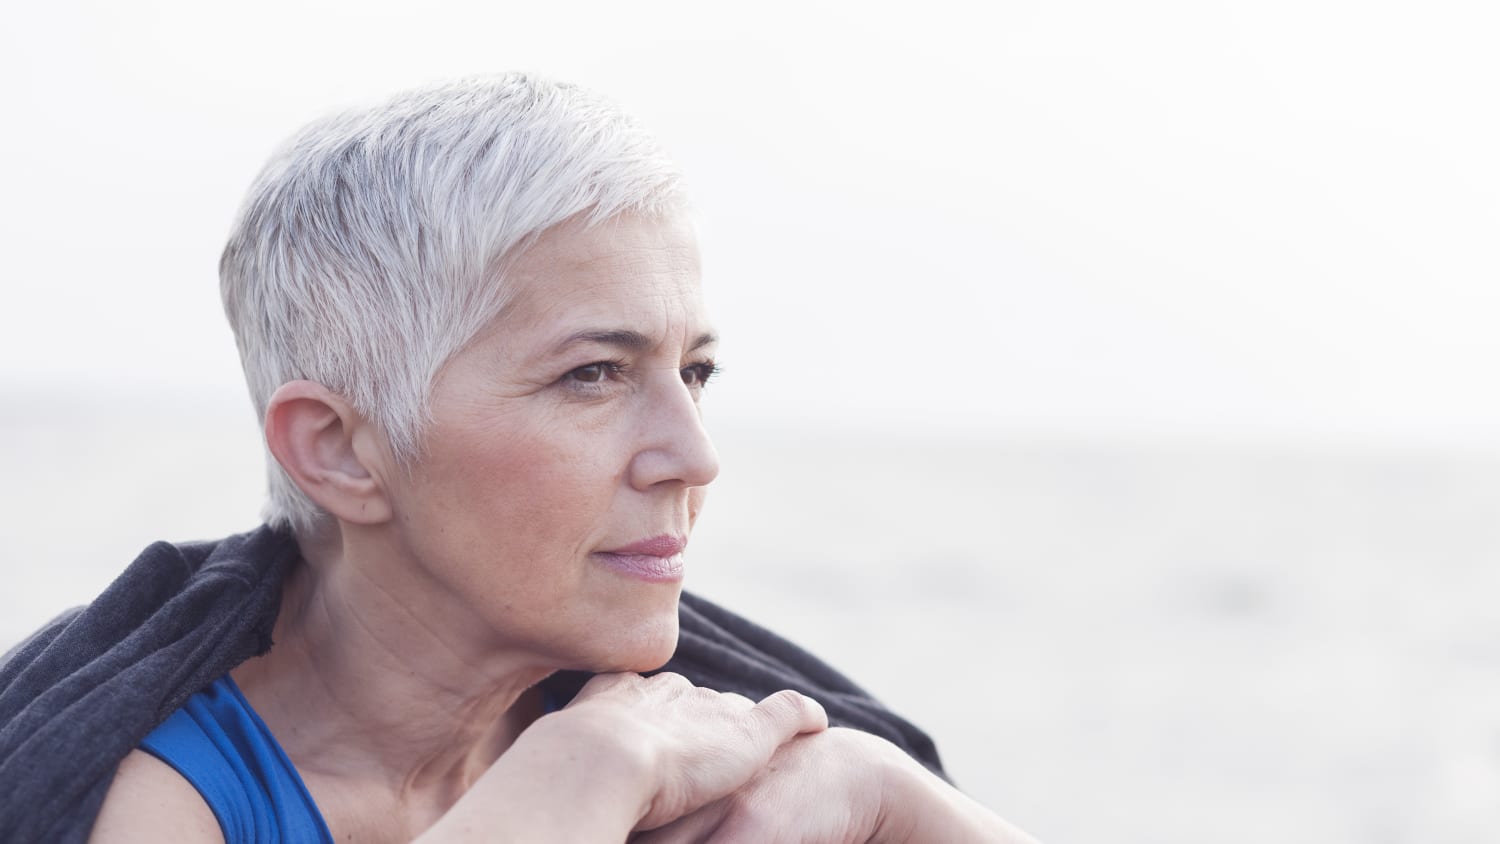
point(624, 338)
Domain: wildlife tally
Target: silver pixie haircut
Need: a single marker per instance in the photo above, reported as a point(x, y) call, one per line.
point(372, 247)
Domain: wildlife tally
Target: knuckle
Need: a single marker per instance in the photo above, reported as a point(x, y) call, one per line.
point(669, 679)
point(785, 702)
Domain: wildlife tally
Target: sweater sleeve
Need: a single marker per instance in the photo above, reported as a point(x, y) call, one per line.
point(78, 696)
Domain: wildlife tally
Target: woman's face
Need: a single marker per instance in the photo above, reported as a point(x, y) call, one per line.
point(567, 460)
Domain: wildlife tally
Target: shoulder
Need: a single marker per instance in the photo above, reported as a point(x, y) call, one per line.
point(150, 802)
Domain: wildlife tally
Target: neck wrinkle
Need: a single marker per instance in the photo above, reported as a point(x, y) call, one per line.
point(363, 691)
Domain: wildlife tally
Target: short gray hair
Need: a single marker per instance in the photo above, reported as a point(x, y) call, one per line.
point(369, 250)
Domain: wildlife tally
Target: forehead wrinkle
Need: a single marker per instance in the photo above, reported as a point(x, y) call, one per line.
point(644, 323)
point(676, 257)
point(581, 285)
point(594, 306)
point(624, 338)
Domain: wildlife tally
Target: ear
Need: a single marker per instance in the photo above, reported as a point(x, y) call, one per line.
point(330, 452)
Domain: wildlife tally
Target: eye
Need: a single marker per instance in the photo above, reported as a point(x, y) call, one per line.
point(699, 373)
point(595, 373)
point(591, 374)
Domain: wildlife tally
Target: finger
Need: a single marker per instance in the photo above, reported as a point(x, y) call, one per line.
point(666, 681)
point(602, 683)
point(670, 679)
point(789, 713)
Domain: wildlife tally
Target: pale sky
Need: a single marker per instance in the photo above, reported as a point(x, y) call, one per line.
point(1269, 219)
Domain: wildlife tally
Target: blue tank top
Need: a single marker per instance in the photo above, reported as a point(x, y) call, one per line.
point(218, 743)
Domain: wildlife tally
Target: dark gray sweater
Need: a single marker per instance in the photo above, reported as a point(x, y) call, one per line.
point(78, 695)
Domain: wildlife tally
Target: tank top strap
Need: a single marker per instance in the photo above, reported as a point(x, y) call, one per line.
point(220, 746)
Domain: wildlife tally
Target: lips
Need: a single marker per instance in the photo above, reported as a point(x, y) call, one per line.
point(656, 560)
point(657, 546)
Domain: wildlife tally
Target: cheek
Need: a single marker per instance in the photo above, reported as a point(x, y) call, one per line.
point(502, 523)
point(525, 491)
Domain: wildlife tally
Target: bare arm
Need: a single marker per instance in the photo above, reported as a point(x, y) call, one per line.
point(627, 753)
point(841, 786)
point(542, 790)
point(149, 802)
point(922, 809)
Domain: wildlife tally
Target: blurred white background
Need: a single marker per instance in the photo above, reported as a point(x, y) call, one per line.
point(1107, 384)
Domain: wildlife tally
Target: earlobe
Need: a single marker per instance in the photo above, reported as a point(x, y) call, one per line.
point(323, 446)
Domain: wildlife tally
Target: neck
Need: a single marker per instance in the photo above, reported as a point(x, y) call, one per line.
point(371, 686)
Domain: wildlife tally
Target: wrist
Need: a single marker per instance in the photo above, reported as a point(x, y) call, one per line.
point(591, 763)
point(902, 792)
point(919, 807)
point(554, 783)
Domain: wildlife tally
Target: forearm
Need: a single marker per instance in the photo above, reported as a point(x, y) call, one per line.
point(544, 790)
point(922, 809)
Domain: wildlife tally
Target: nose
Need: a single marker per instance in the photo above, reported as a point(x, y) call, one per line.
point(674, 445)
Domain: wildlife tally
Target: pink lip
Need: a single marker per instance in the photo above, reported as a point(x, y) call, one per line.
point(657, 546)
point(657, 560)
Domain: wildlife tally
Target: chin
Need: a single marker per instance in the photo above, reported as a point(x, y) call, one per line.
point(647, 646)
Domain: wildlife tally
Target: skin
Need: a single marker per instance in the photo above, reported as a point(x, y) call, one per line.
point(438, 595)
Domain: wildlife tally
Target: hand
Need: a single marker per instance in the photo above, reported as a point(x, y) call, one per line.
point(692, 745)
point(841, 787)
point(827, 787)
point(629, 752)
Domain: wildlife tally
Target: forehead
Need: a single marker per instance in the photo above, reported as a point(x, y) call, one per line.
point(630, 271)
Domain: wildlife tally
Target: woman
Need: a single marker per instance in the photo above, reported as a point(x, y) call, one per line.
point(471, 324)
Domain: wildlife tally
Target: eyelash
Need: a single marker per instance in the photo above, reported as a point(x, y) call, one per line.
point(703, 371)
